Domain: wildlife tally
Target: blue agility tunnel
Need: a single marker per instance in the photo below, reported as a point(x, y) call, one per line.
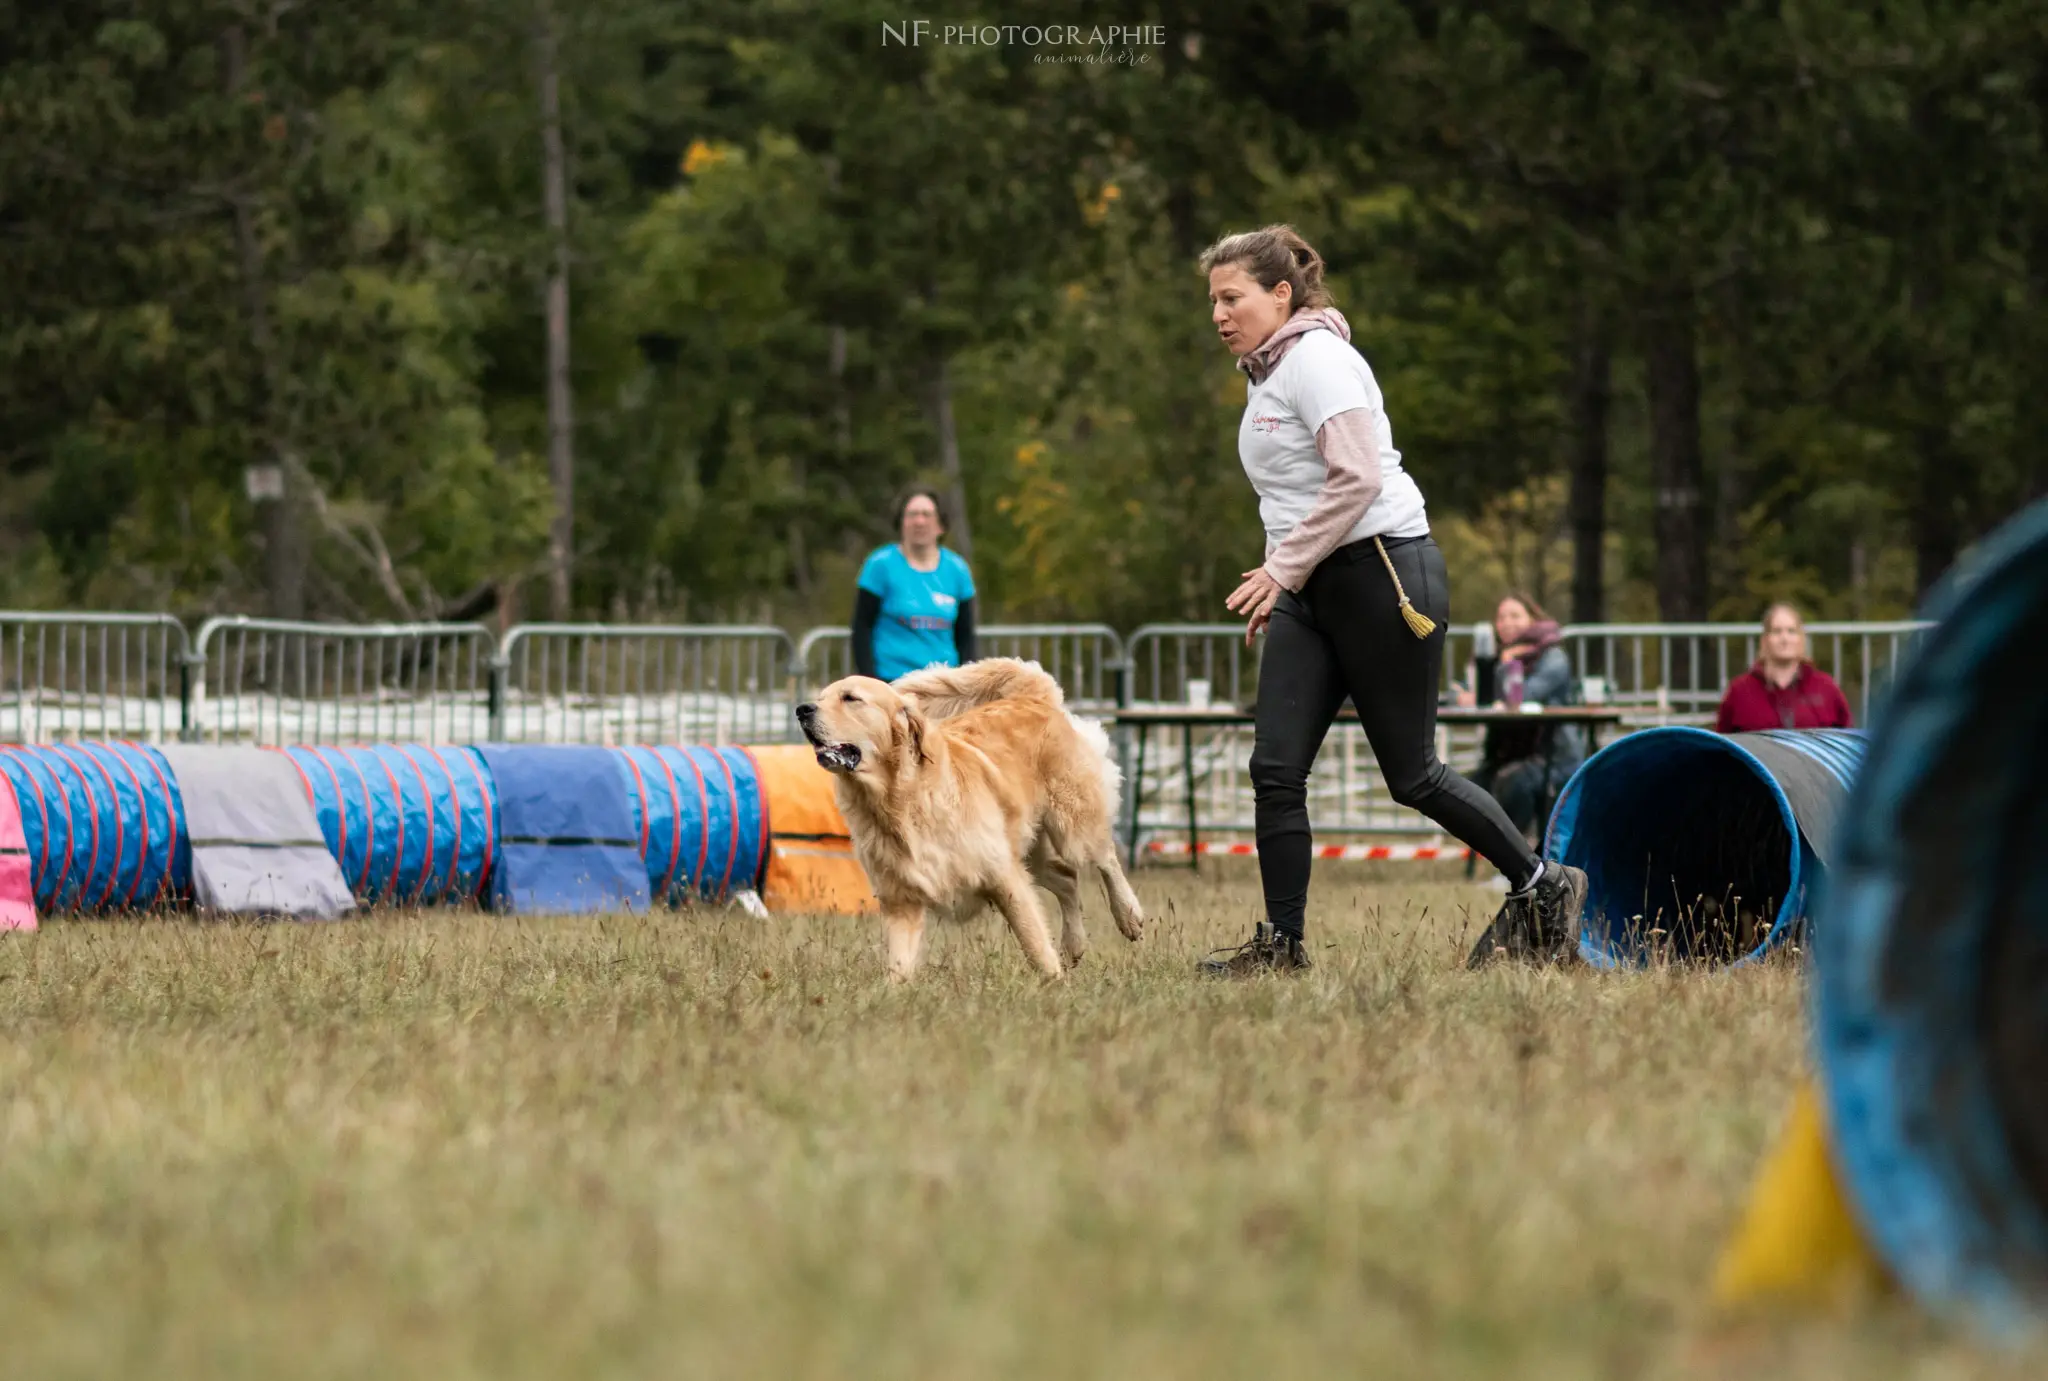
point(419, 826)
point(700, 817)
point(1702, 846)
point(521, 827)
point(1931, 952)
point(409, 824)
point(566, 837)
point(104, 825)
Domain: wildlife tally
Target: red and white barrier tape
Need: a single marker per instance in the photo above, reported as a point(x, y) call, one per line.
point(1397, 853)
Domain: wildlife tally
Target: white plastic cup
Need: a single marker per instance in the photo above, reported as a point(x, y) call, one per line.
point(1198, 695)
point(1595, 688)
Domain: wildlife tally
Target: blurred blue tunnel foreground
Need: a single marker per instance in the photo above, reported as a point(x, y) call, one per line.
point(1920, 854)
point(1931, 951)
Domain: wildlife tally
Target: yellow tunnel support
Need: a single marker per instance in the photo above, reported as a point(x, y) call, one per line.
point(1799, 1245)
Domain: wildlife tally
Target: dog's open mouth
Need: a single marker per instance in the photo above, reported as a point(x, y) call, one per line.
point(839, 757)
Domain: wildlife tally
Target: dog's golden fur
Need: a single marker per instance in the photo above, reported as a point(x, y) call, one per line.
point(963, 786)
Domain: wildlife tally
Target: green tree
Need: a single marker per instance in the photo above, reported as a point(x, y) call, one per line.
point(262, 281)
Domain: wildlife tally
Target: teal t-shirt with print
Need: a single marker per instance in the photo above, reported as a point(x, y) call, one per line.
point(915, 629)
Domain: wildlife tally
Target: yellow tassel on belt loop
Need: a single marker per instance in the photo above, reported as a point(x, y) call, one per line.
point(1419, 623)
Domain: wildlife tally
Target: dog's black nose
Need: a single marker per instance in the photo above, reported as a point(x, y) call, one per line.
point(806, 711)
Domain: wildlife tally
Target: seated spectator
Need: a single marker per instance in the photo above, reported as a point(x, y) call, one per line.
point(1525, 765)
point(1783, 690)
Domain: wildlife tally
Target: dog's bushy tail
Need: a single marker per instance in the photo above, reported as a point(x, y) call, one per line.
point(1097, 739)
point(942, 692)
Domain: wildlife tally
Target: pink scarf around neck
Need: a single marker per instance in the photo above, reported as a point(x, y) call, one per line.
point(1264, 358)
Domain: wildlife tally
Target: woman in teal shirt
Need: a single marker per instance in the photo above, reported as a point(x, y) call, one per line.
point(915, 607)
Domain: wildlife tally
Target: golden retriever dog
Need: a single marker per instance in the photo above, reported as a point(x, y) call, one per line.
point(961, 788)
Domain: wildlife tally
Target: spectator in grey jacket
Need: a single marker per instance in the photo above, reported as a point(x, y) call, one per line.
point(1533, 670)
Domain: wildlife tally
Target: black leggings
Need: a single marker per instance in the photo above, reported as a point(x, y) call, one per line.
point(1344, 634)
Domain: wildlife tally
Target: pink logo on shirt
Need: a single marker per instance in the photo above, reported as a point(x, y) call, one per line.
point(1267, 424)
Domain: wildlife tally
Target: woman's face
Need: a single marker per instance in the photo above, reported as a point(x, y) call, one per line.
point(1245, 313)
point(1784, 637)
point(1510, 621)
point(921, 522)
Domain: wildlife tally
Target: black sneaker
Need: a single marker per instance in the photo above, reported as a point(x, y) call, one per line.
point(1268, 951)
point(1540, 925)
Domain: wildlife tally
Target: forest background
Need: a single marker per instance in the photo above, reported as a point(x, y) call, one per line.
point(633, 310)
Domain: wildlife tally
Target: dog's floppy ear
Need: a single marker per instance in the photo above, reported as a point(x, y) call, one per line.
point(914, 726)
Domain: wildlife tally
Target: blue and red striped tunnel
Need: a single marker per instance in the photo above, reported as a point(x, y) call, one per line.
point(103, 825)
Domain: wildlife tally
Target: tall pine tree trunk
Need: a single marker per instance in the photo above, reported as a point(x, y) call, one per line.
point(1180, 158)
point(1937, 535)
point(939, 412)
point(841, 444)
point(561, 403)
point(1728, 565)
point(1672, 380)
point(842, 406)
point(1672, 377)
point(1941, 482)
point(284, 540)
point(1592, 392)
point(1941, 478)
point(2033, 395)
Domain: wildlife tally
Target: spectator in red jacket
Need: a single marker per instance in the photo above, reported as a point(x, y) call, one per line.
point(1783, 690)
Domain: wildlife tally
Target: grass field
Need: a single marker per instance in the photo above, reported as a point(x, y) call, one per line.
point(459, 1146)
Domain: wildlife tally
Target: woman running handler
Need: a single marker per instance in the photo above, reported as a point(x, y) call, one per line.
point(1353, 597)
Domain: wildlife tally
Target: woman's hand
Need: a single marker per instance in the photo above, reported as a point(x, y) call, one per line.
point(1509, 654)
point(1254, 599)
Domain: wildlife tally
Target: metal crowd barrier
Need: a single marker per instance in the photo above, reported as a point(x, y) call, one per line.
point(1087, 659)
point(823, 655)
point(271, 682)
point(1676, 673)
point(126, 676)
point(603, 683)
point(1656, 673)
point(93, 676)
